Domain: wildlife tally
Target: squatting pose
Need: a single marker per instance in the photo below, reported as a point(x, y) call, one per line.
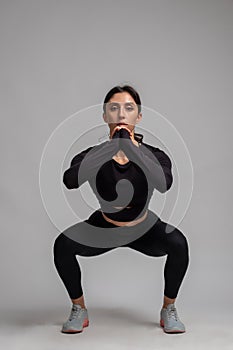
point(110, 167)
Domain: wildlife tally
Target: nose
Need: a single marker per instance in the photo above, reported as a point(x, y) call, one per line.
point(121, 112)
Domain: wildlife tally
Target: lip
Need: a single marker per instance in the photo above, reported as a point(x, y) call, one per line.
point(121, 124)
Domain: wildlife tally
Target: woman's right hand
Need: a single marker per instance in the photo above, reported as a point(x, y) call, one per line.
point(115, 134)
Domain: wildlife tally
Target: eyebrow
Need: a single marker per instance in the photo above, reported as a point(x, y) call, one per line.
point(126, 103)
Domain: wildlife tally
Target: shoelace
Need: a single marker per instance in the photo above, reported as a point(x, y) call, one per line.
point(75, 313)
point(173, 313)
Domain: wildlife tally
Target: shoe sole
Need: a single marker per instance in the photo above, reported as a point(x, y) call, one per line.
point(72, 331)
point(171, 331)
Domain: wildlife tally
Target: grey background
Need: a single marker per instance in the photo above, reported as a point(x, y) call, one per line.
point(58, 57)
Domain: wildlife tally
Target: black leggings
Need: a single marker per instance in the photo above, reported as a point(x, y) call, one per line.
point(155, 242)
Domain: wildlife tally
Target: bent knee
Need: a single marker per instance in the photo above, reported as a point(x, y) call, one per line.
point(60, 243)
point(178, 241)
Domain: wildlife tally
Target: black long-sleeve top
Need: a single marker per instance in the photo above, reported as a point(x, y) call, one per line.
point(115, 185)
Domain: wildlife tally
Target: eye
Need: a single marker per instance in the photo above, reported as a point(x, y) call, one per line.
point(114, 108)
point(129, 108)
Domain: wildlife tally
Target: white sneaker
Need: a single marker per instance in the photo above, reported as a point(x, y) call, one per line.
point(170, 321)
point(77, 320)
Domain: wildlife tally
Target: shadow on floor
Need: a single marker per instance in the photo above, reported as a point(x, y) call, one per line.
point(97, 316)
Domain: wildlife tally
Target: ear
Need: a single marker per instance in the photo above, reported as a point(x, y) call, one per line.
point(105, 118)
point(139, 117)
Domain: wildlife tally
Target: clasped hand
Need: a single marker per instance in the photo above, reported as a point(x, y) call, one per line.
point(119, 132)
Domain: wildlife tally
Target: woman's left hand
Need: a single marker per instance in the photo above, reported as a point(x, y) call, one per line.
point(130, 133)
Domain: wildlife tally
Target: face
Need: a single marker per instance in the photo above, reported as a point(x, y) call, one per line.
point(122, 109)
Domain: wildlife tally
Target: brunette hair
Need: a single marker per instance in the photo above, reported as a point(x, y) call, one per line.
point(125, 88)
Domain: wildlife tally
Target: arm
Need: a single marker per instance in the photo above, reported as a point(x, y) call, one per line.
point(86, 164)
point(70, 176)
point(155, 164)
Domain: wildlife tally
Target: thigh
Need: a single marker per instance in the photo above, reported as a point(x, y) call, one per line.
point(158, 240)
point(68, 240)
point(64, 246)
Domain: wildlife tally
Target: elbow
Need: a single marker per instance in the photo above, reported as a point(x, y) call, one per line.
point(68, 181)
point(169, 182)
point(167, 185)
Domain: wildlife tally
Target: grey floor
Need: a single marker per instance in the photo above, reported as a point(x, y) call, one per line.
point(116, 329)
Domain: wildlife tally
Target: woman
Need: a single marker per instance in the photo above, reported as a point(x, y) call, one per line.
point(123, 157)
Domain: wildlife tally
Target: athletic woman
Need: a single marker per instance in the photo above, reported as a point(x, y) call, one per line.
point(110, 168)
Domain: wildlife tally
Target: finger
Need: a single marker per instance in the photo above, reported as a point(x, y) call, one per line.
point(129, 131)
point(117, 128)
